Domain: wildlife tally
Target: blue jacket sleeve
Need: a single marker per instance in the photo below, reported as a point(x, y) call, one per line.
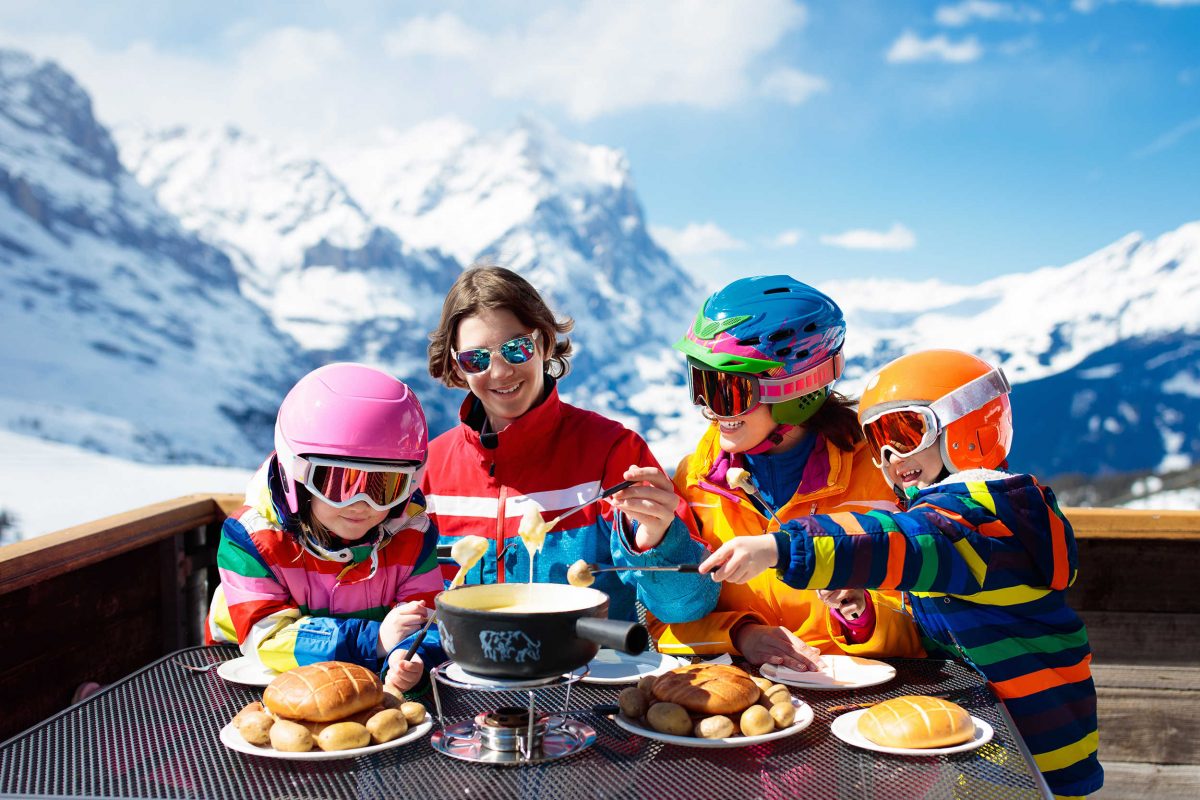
point(670, 596)
point(333, 639)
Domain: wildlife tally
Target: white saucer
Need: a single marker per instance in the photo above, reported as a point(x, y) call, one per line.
point(804, 718)
point(845, 728)
point(840, 672)
point(246, 671)
point(234, 741)
point(613, 666)
point(456, 675)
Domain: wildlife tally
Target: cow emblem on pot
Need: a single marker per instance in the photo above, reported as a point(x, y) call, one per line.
point(509, 646)
point(447, 639)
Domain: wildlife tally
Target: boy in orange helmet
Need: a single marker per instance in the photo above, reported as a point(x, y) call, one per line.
point(985, 555)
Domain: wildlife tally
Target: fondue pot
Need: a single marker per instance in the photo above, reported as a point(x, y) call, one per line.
point(521, 631)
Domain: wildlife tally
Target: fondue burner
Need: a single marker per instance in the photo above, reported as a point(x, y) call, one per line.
point(509, 734)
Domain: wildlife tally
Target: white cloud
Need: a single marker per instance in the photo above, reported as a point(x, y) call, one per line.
point(1088, 6)
point(696, 239)
point(604, 57)
point(910, 47)
point(898, 237)
point(793, 86)
point(788, 238)
point(966, 12)
point(444, 35)
point(1170, 138)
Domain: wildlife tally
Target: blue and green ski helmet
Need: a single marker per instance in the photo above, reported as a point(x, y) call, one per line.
point(773, 326)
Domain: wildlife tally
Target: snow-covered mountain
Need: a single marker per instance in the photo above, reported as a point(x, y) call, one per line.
point(121, 331)
point(413, 210)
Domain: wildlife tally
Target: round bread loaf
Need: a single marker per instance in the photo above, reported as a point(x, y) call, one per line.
point(323, 692)
point(916, 721)
point(707, 689)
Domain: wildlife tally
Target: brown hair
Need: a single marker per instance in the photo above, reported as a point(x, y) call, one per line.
point(837, 421)
point(490, 287)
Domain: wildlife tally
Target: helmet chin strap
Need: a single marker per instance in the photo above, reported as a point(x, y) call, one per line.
point(772, 439)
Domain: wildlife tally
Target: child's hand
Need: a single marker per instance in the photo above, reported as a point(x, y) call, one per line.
point(770, 644)
point(741, 558)
point(652, 503)
point(402, 621)
point(850, 603)
point(402, 674)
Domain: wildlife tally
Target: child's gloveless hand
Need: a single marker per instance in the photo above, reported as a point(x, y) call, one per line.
point(402, 621)
point(850, 603)
point(402, 674)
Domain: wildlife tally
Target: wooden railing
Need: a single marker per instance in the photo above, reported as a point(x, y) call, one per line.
point(97, 601)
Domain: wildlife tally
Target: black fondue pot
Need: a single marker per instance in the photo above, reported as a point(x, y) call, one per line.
point(521, 631)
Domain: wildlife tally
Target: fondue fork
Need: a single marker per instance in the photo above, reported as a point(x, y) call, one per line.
point(673, 568)
point(609, 492)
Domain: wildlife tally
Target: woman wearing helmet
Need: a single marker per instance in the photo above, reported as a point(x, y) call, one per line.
point(762, 355)
point(333, 557)
point(520, 449)
point(985, 555)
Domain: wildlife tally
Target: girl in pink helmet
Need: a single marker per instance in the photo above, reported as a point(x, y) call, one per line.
point(333, 556)
point(520, 447)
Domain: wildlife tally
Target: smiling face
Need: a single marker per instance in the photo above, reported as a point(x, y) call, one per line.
point(747, 431)
point(350, 523)
point(506, 390)
point(921, 469)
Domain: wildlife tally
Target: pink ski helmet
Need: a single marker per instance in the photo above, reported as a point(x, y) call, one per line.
point(348, 411)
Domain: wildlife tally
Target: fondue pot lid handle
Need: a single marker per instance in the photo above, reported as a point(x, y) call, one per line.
point(628, 637)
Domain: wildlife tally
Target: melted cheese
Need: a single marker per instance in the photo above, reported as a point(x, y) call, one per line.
point(466, 552)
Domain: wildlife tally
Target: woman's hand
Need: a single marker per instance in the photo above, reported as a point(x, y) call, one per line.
point(742, 558)
point(402, 621)
point(404, 674)
point(850, 603)
point(768, 644)
point(651, 502)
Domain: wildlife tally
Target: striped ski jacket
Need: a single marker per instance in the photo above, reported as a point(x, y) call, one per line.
point(986, 558)
point(287, 604)
point(554, 457)
point(833, 481)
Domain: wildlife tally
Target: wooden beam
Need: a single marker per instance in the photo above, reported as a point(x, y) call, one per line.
point(1126, 523)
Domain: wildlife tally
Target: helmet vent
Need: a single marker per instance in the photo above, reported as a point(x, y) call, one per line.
point(810, 327)
point(753, 340)
point(782, 333)
point(802, 354)
point(783, 351)
point(778, 290)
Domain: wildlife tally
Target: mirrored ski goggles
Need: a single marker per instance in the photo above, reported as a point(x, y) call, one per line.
point(515, 351)
point(343, 483)
point(732, 394)
point(905, 430)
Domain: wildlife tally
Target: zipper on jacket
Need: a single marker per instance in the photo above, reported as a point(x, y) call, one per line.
point(501, 501)
point(492, 470)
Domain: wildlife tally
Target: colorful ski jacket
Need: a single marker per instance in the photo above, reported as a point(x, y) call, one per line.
point(289, 603)
point(554, 457)
point(833, 480)
point(986, 558)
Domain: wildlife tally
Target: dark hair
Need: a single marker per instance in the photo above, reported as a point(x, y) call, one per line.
point(489, 287)
point(837, 421)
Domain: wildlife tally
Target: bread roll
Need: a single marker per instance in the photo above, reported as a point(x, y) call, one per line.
point(707, 689)
point(916, 721)
point(323, 692)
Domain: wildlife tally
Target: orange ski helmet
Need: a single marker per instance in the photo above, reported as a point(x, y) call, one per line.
point(949, 396)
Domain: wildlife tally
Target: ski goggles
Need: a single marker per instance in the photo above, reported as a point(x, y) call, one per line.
point(516, 351)
point(732, 394)
point(904, 430)
point(343, 483)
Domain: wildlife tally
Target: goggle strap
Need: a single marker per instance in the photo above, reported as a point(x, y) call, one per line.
point(780, 390)
point(971, 396)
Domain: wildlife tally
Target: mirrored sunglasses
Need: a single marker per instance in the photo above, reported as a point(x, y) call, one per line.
point(343, 483)
point(516, 351)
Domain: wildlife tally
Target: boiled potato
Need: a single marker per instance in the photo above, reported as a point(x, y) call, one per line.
point(387, 725)
point(756, 721)
point(413, 711)
point(783, 713)
point(718, 727)
point(290, 737)
point(669, 718)
point(343, 736)
point(761, 682)
point(392, 699)
point(646, 684)
point(254, 726)
point(633, 702)
point(777, 692)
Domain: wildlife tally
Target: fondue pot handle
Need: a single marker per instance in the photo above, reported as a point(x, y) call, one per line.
point(628, 637)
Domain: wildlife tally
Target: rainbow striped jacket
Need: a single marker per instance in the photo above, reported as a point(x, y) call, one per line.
point(287, 603)
point(986, 558)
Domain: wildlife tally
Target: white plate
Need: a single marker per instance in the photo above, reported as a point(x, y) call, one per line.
point(840, 672)
point(613, 666)
point(845, 728)
point(246, 671)
point(804, 718)
point(234, 741)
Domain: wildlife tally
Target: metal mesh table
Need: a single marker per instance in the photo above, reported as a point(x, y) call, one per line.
point(155, 734)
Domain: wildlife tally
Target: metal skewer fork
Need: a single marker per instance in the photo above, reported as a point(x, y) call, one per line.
point(192, 668)
point(673, 568)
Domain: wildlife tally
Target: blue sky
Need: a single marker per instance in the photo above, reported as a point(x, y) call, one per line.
point(958, 139)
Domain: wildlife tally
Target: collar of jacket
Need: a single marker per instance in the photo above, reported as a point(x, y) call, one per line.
point(827, 471)
point(534, 428)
